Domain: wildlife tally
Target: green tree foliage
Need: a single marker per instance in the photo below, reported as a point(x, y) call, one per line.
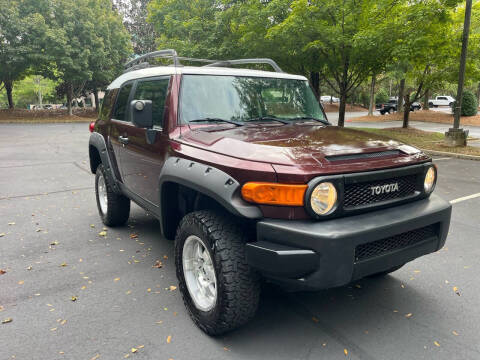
point(142, 33)
point(85, 43)
point(21, 39)
point(469, 104)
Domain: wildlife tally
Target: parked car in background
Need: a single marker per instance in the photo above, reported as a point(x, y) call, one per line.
point(392, 104)
point(443, 100)
point(329, 98)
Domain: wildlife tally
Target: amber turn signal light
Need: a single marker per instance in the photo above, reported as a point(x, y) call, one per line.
point(274, 194)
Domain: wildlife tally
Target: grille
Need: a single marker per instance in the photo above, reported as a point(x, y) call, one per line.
point(378, 154)
point(360, 194)
point(383, 246)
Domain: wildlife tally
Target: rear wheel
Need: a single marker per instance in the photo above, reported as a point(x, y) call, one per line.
point(391, 110)
point(219, 289)
point(113, 208)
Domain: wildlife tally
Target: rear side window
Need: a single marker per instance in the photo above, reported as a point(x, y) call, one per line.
point(155, 90)
point(107, 104)
point(121, 106)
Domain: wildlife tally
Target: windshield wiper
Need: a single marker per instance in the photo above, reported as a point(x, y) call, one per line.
point(311, 118)
point(268, 118)
point(217, 120)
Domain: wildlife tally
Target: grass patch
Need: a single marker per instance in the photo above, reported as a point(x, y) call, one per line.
point(423, 139)
point(65, 119)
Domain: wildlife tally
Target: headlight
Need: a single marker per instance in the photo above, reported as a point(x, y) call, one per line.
point(430, 180)
point(323, 198)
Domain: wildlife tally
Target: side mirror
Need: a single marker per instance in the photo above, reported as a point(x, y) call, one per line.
point(141, 111)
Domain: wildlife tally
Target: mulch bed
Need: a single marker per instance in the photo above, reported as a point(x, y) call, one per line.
point(422, 115)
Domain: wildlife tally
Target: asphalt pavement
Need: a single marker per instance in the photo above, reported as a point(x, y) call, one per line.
point(73, 294)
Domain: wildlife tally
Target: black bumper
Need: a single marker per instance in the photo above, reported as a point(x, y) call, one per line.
point(324, 254)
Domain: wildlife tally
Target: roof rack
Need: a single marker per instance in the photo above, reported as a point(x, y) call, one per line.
point(141, 62)
point(270, 62)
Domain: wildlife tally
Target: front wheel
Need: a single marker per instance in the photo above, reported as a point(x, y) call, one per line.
point(219, 289)
point(113, 208)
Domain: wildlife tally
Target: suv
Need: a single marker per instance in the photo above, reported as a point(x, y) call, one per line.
point(441, 101)
point(392, 104)
point(245, 173)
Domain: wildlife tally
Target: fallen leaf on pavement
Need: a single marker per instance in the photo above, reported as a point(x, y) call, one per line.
point(102, 233)
point(63, 322)
point(315, 319)
point(7, 320)
point(226, 348)
point(409, 315)
point(73, 298)
point(11, 223)
point(141, 346)
point(133, 236)
point(134, 350)
point(2, 272)
point(2, 234)
point(1, 308)
point(436, 343)
point(92, 226)
point(454, 333)
point(158, 264)
point(29, 268)
point(63, 264)
point(345, 351)
point(21, 282)
point(116, 279)
point(54, 243)
point(149, 290)
point(95, 357)
point(169, 339)
point(455, 289)
point(53, 329)
point(173, 288)
point(165, 257)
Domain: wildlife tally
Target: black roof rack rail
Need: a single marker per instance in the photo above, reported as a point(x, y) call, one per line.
point(270, 62)
point(141, 62)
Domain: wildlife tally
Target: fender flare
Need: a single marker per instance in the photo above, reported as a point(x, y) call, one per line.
point(98, 141)
point(207, 180)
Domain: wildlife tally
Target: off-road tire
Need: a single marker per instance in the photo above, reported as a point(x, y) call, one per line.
point(118, 206)
point(238, 286)
point(386, 272)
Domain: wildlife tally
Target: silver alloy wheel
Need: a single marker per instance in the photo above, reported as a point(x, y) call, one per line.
point(199, 273)
point(102, 193)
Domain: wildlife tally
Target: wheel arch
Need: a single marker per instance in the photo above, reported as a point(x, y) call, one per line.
point(186, 186)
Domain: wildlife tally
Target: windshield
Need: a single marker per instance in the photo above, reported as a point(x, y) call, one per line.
point(244, 99)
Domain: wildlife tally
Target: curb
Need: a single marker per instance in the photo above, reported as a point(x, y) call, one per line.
point(455, 155)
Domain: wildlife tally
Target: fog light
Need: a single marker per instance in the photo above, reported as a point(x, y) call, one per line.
point(323, 198)
point(430, 179)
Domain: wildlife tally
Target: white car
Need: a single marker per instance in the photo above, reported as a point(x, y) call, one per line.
point(329, 98)
point(443, 100)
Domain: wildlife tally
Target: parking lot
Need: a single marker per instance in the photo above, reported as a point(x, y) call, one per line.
point(73, 294)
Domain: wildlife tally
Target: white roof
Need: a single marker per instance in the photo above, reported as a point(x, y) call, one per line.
point(210, 70)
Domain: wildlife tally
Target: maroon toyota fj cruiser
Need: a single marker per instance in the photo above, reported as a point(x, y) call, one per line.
point(243, 170)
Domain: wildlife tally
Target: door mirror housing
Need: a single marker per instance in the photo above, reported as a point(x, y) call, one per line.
point(141, 111)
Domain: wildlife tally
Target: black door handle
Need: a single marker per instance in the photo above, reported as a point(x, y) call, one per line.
point(123, 140)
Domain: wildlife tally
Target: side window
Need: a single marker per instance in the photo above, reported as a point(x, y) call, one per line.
point(155, 90)
point(121, 105)
point(106, 106)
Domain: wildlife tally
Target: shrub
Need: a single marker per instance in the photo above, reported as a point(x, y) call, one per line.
point(381, 96)
point(469, 104)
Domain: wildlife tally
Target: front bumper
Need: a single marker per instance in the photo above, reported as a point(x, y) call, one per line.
point(323, 254)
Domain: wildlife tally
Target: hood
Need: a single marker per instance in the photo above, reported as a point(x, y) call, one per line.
point(294, 145)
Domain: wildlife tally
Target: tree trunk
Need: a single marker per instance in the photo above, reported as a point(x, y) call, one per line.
point(341, 110)
point(406, 110)
point(9, 90)
point(315, 81)
point(371, 106)
point(401, 90)
point(69, 98)
point(97, 102)
point(425, 100)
